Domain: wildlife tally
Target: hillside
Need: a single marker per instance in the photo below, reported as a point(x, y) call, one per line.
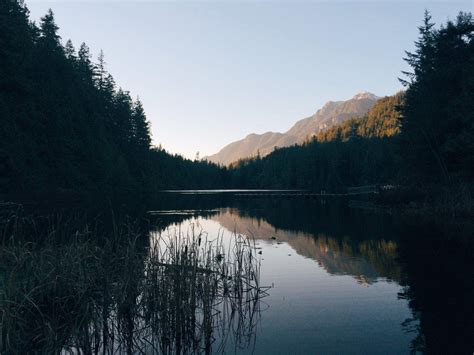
point(332, 113)
point(354, 152)
point(66, 128)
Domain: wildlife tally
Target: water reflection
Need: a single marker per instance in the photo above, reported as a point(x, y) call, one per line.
point(423, 269)
point(366, 260)
point(438, 279)
point(73, 291)
point(345, 281)
point(325, 286)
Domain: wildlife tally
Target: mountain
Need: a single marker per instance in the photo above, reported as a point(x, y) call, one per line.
point(332, 113)
point(365, 260)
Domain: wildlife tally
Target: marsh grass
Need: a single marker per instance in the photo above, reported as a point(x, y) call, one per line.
point(69, 290)
point(210, 286)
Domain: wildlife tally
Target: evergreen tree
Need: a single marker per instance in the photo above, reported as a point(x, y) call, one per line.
point(437, 118)
point(141, 126)
point(49, 36)
point(63, 124)
point(101, 71)
point(70, 51)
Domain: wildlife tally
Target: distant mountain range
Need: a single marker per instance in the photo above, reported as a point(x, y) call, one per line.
point(332, 113)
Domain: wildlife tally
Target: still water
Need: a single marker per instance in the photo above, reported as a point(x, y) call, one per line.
point(242, 272)
point(344, 281)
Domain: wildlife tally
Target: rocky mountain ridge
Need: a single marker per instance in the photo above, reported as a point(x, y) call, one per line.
point(332, 113)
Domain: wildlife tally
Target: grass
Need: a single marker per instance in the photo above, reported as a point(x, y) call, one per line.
point(65, 288)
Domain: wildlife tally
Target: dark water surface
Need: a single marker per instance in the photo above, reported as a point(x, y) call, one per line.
point(308, 276)
point(343, 280)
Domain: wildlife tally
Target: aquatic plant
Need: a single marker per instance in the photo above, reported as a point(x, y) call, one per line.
point(170, 292)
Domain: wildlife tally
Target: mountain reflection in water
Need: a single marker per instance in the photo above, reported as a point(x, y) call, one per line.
point(366, 260)
point(321, 256)
point(341, 280)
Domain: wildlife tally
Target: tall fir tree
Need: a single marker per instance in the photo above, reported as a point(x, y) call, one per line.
point(437, 117)
point(141, 126)
point(49, 36)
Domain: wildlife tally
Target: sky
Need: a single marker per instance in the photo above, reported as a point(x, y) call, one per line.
point(209, 73)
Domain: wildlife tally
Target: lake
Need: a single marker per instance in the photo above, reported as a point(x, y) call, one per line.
point(346, 280)
point(322, 278)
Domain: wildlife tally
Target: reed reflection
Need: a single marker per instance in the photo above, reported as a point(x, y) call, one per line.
point(82, 293)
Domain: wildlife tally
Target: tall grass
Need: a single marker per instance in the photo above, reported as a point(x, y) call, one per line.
point(71, 290)
point(209, 290)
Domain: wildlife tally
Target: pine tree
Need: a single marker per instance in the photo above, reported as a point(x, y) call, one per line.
point(16, 53)
point(101, 74)
point(421, 59)
point(141, 127)
point(70, 51)
point(49, 36)
point(85, 65)
point(438, 104)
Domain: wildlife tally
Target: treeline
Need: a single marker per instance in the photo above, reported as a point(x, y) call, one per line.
point(67, 127)
point(356, 152)
point(382, 120)
point(422, 138)
point(437, 136)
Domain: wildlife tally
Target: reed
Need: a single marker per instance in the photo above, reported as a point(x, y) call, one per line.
point(71, 290)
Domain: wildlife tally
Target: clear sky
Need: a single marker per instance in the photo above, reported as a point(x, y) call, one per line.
point(210, 73)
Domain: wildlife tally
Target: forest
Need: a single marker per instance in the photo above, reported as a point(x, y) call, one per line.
point(420, 141)
point(67, 128)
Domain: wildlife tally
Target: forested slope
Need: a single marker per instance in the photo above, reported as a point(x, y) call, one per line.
point(356, 152)
point(421, 139)
point(67, 127)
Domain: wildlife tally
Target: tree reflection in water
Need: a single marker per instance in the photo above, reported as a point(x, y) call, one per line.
point(103, 292)
point(179, 294)
point(432, 261)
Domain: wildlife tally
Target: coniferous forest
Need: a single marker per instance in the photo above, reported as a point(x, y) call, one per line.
point(67, 128)
point(97, 255)
point(421, 138)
